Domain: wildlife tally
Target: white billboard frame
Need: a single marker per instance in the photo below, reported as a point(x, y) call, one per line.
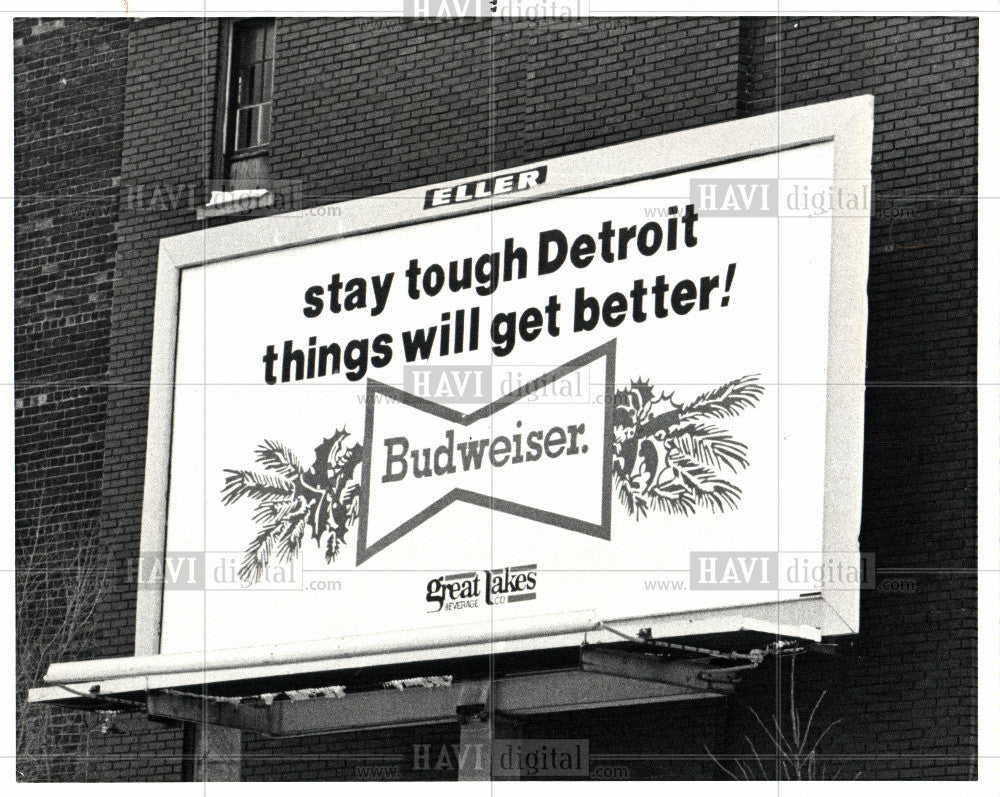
point(832, 612)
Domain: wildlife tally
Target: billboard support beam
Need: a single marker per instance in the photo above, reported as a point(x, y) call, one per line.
point(511, 696)
point(480, 729)
point(205, 711)
point(218, 754)
point(698, 675)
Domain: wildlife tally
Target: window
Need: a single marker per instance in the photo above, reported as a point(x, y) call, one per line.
point(250, 84)
point(246, 83)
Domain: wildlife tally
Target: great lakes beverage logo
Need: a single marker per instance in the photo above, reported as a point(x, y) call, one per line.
point(482, 588)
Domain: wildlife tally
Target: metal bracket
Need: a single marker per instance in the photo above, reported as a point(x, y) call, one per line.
point(644, 639)
point(698, 675)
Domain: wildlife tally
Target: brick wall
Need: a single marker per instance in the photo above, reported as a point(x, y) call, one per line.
point(169, 101)
point(385, 104)
point(372, 756)
point(907, 691)
point(68, 87)
point(67, 155)
point(368, 106)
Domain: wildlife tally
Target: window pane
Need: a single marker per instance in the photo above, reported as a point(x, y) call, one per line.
point(244, 87)
point(254, 126)
point(267, 84)
point(257, 85)
point(265, 123)
point(256, 51)
point(269, 41)
point(247, 123)
point(242, 129)
point(241, 36)
point(248, 44)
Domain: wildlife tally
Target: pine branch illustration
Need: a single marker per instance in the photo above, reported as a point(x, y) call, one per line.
point(291, 541)
point(726, 401)
point(271, 510)
point(641, 505)
point(707, 488)
point(257, 486)
point(257, 555)
point(350, 497)
point(691, 472)
point(628, 497)
point(278, 457)
point(324, 499)
point(333, 546)
point(687, 454)
point(720, 495)
point(677, 501)
point(711, 446)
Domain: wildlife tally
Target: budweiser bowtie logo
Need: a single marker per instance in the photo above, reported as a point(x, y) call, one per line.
point(548, 462)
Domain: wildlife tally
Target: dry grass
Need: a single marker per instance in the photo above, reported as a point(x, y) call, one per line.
point(56, 596)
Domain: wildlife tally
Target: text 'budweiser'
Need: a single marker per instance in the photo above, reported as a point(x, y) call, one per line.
point(497, 452)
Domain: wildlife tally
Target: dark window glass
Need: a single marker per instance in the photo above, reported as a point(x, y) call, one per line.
point(251, 79)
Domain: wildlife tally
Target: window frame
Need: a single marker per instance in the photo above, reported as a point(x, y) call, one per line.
point(226, 102)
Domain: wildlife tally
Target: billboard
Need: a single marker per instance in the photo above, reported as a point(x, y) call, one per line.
point(625, 385)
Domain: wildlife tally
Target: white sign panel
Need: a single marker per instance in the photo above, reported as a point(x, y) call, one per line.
point(613, 399)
